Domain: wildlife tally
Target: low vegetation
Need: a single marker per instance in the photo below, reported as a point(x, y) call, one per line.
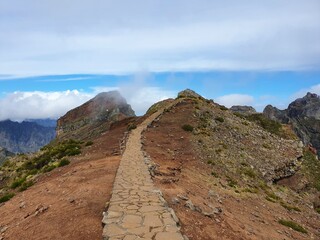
point(131, 126)
point(269, 125)
point(6, 197)
point(89, 143)
point(311, 168)
point(187, 128)
point(293, 225)
point(20, 173)
point(290, 207)
point(219, 119)
point(63, 162)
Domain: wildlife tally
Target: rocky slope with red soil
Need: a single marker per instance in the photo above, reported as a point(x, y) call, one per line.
point(221, 173)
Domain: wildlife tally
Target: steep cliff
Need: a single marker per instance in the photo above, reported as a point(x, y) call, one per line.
point(25, 136)
point(304, 116)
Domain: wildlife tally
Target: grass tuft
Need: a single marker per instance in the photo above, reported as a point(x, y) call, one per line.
point(293, 225)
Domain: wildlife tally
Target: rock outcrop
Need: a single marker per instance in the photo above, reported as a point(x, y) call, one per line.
point(244, 110)
point(105, 107)
point(4, 154)
point(188, 93)
point(304, 116)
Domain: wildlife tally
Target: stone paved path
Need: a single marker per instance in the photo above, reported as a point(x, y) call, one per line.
point(136, 209)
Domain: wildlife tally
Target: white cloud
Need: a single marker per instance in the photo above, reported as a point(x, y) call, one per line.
point(22, 105)
point(38, 104)
point(121, 36)
point(235, 99)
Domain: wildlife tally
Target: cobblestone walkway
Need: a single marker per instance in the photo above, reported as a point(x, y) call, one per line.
point(136, 209)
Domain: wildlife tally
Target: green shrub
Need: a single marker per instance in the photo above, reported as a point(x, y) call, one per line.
point(231, 182)
point(63, 162)
point(187, 128)
point(290, 207)
point(318, 210)
point(18, 183)
point(25, 185)
point(293, 225)
point(214, 174)
point(251, 190)
point(209, 162)
point(272, 195)
point(223, 108)
point(268, 124)
point(248, 171)
point(6, 197)
point(131, 126)
point(89, 143)
point(270, 199)
point(219, 119)
point(48, 168)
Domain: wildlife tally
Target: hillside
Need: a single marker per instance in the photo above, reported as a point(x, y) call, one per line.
point(221, 174)
point(25, 136)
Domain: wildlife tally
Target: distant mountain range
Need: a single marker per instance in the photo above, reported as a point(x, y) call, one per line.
point(27, 136)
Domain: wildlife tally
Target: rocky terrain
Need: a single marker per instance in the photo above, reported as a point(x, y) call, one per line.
point(231, 177)
point(222, 174)
point(94, 116)
point(304, 116)
point(245, 110)
point(4, 154)
point(25, 136)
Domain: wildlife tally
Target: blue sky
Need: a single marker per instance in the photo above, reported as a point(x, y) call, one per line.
point(56, 54)
point(52, 96)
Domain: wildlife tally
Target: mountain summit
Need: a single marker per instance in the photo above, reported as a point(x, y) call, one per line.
point(105, 108)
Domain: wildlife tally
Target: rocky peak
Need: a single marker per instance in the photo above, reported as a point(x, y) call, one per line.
point(304, 116)
point(105, 107)
point(275, 114)
point(308, 106)
point(188, 93)
point(244, 110)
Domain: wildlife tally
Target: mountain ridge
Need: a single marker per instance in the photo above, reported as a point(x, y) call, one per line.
point(25, 136)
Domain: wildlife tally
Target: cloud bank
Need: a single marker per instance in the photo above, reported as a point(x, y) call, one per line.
point(19, 106)
point(123, 36)
point(36, 105)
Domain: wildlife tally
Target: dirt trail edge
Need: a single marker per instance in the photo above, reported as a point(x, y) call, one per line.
point(137, 209)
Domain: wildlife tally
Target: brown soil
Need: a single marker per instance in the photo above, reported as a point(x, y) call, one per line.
point(181, 172)
point(68, 202)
